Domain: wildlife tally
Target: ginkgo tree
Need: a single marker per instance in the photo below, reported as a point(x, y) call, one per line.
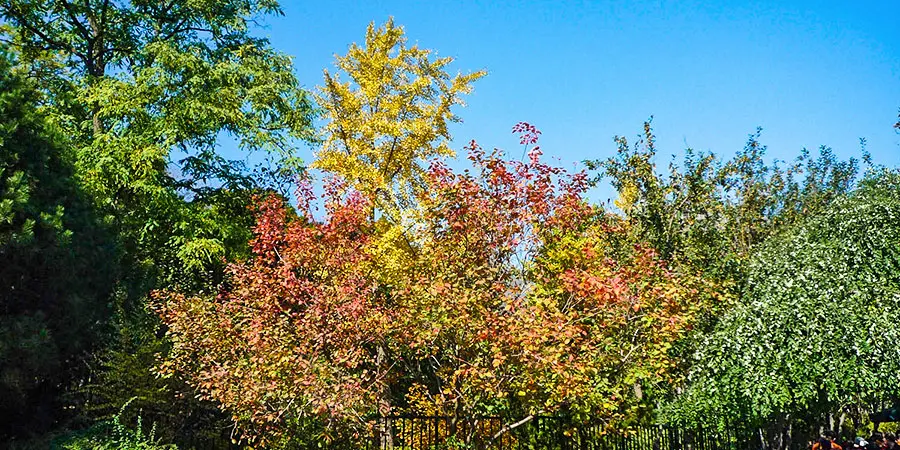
point(387, 112)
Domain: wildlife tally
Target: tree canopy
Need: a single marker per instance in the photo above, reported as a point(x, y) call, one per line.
point(815, 332)
point(143, 86)
point(712, 212)
point(390, 116)
point(145, 93)
point(514, 299)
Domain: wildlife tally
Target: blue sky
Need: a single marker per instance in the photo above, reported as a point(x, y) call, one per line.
point(808, 73)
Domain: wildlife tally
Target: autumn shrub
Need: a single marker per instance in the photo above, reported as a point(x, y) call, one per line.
point(503, 292)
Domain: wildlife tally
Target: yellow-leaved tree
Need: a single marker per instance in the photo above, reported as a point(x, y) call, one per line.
point(387, 111)
point(388, 116)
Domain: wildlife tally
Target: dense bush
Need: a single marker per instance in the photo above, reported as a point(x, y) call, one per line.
point(815, 332)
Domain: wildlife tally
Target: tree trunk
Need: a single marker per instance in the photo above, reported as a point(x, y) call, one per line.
point(97, 66)
point(790, 435)
point(96, 120)
point(385, 434)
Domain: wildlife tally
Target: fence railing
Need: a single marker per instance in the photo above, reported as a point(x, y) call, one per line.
point(553, 433)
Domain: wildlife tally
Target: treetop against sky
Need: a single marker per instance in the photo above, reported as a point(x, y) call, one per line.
point(809, 73)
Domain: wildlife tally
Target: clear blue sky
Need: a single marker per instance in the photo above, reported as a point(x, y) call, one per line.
point(808, 72)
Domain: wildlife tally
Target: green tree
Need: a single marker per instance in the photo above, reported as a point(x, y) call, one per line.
point(146, 89)
point(815, 334)
point(56, 272)
point(711, 212)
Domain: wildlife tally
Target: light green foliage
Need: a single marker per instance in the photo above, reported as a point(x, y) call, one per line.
point(115, 435)
point(146, 89)
point(816, 331)
point(711, 213)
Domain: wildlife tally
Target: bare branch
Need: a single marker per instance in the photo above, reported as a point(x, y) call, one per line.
point(513, 426)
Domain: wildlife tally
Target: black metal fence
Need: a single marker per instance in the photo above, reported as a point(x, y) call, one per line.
point(556, 433)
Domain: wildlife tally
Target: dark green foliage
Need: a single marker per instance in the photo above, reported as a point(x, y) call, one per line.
point(125, 371)
point(58, 265)
point(114, 434)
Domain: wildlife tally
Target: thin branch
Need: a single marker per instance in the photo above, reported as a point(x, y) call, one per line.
point(513, 426)
point(85, 33)
point(103, 10)
point(24, 24)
